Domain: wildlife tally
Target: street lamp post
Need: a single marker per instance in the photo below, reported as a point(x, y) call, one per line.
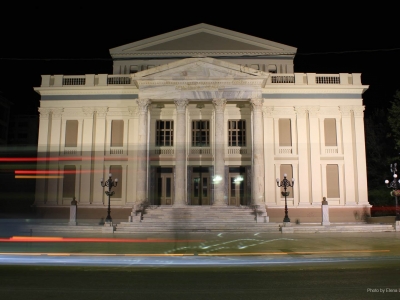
point(109, 183)
point(395, 185)
point(285, 184)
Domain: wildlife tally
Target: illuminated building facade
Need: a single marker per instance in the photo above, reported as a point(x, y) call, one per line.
point(204, 116)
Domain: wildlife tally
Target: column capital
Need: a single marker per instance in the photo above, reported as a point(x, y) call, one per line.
point(133, 111)
point(268, 111)
point(143, 105)
point(346, 110)
point(257, 104)
point(358, 111)
point(56, 113)
point(301, 111)
point(44, 112)
point(219, 104)
point(88, 111)
point(181, 105)
point(101, 111)
point(313, 111)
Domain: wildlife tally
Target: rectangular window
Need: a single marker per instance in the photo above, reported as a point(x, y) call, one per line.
point(116, 172)
point(285, 133)
point(164, 133)
point(330, 132)
point(69, 181)
point(201, 133)
point(237, 133)
point(288, 170)
point(71, 133)
point(117, 133)
point(332, 181)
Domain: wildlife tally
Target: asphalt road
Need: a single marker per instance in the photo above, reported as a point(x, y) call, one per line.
point(203, 266)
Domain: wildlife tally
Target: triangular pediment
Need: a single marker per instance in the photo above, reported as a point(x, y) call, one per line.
point(201, 40)
point(200, 68)
point(200, 78)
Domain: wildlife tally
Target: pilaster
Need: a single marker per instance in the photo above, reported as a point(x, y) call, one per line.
point(315, 149)
point(99, 141)
point(304, 155)
point(87, 162)
point(269, 146)
point(348, 153)
point(362, 182)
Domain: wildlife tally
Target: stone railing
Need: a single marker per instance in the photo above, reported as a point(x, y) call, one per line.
point(278, 79)
point(285, 150)
point(85, 80)
point(236, 150)
point(313, 78)
point(200, 151)
point(117, 150)
point(70, 151)
point(164, 151)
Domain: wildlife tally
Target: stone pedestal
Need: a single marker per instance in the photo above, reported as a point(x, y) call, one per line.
point(397, 225)
point(72, 213)
point(325, 212)
point(108, 228)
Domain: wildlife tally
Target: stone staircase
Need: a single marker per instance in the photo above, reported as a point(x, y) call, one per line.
point(196, 219)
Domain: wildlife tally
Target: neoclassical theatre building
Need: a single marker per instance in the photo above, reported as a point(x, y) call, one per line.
point(204, 116)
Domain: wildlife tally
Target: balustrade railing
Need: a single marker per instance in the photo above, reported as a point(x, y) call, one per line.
point(116, 150)
point(200, 151)
point(164, 151)
point(237, 150)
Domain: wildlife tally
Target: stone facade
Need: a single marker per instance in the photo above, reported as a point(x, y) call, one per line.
point(212, 126)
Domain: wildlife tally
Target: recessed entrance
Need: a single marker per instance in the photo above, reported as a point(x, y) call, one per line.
point(164, 186)
point(237, 186)
point(200, 186)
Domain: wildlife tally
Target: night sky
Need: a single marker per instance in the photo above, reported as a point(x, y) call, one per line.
point(75, 41)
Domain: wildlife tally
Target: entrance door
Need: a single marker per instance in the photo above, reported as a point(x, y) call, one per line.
point(236, 189)
point(200, 187)
point(164, 188)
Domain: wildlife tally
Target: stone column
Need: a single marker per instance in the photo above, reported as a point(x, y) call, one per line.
point(180, 155)
point(258, 154)
point(141, 175)
point(219, 180)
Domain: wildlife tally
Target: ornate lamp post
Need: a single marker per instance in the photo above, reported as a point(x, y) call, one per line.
point(285, 184)
point(109, 183)
point(395, 185)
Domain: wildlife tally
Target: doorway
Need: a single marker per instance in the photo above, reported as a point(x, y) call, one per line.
point(200, 186)
point(164, 186)
point(237, 186)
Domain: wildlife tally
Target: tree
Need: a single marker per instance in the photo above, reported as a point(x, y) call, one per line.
point(393, 121)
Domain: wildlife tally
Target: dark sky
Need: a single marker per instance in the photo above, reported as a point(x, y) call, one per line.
point(75, 41)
